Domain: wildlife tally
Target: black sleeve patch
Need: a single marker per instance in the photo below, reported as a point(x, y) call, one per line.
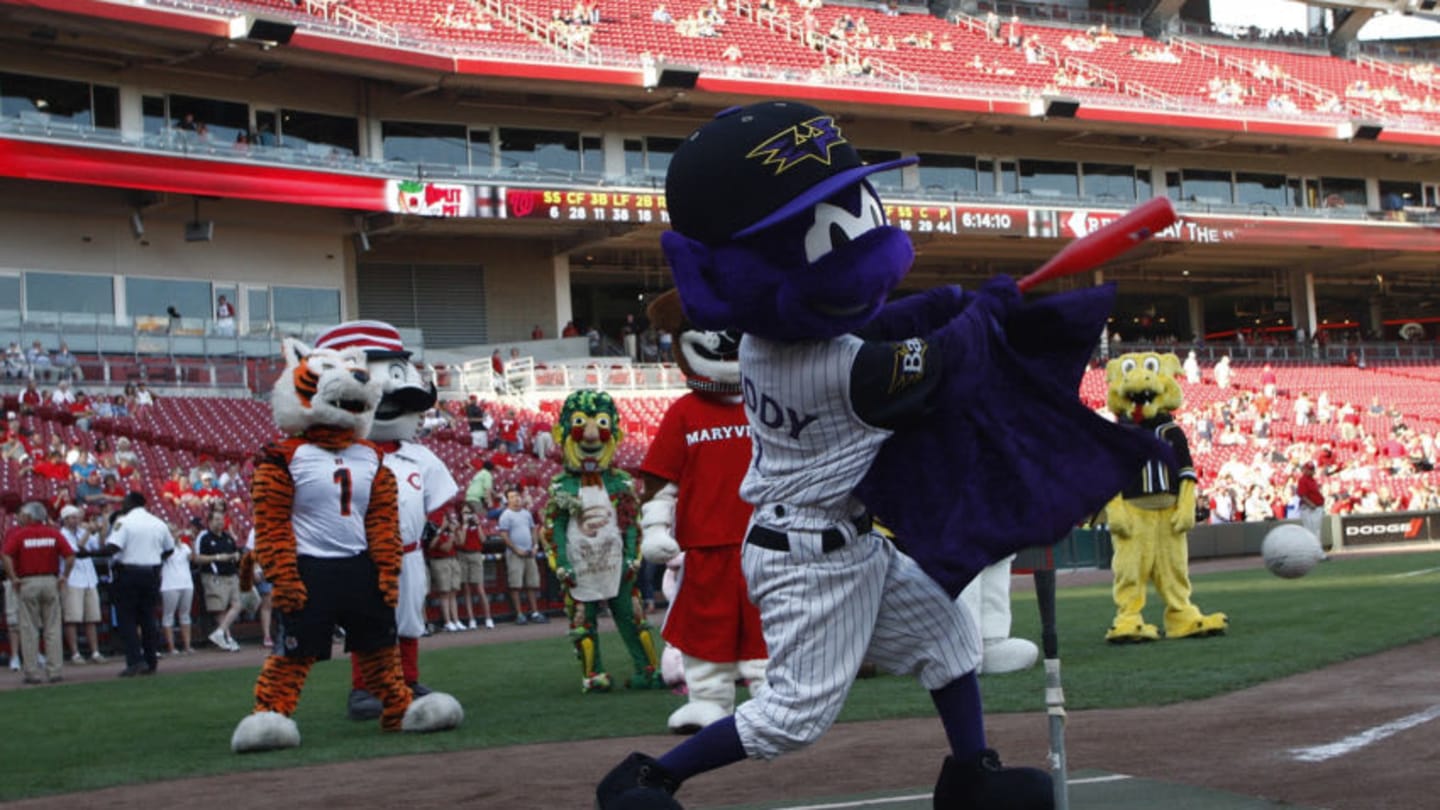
point(891, 383)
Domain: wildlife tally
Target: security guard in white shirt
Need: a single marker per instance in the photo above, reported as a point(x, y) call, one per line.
point(138, 543)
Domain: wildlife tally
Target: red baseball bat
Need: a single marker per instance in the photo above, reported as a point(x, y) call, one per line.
point(1105, 243)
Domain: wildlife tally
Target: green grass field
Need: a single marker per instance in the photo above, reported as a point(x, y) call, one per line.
point(89, 735)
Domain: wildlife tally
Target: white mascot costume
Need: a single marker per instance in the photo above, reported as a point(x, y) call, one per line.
point(988, 599)
point(423, 482)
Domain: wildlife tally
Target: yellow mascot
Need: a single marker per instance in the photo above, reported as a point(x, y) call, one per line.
point(1149, 520)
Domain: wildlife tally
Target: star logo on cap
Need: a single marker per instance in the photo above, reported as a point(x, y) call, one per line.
point(808, 140)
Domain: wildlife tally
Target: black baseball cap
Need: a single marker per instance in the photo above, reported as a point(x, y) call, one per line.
point(753, 167)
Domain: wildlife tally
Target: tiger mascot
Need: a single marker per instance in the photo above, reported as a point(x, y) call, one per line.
point(1150, 518)
point(590, 519)
point(424, 484)
point(327, 536)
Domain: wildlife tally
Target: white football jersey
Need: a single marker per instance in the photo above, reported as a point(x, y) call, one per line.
point(332, 495)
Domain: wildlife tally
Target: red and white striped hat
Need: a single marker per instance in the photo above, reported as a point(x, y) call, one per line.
point(377, 338)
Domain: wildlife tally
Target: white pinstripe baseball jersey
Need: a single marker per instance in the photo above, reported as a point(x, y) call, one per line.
point(332, 495)
point(424, 485)
point(810, 448)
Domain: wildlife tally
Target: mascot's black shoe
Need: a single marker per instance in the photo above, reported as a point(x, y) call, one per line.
point(983, 784)
point(638, 783)
point(362, 705)
point(418, 689)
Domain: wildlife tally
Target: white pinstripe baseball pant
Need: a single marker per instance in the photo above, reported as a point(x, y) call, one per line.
point(823, 614)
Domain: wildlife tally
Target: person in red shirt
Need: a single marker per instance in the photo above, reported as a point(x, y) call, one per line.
point(507, 432)
point(445, 570)
point(1312, 500)
point(177, 490)
point(472, 567)
point(53, 467)
point(37, 558)
point(30, 398)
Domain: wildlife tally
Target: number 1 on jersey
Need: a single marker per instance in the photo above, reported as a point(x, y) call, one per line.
point(342, 477)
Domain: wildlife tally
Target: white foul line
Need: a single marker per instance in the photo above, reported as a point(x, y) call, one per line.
point(1355, 742)
point(876, 802)
point(1421, 572)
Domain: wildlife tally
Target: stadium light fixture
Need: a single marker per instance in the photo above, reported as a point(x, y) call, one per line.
point(1365, 130)
point(268, 32)
point(678, 77)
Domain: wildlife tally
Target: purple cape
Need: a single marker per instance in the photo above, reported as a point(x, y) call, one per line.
point(1009, 458)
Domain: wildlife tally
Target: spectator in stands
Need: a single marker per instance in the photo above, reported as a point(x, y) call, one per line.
point(661, 15)
point(16, 366)
point(66, 365)
point(90, 492)
point(593, 336)
point(231, 482)
point(480, 492)
point(39, 360)
point(544, 443)
point(478, 419)
point(53, 467)
point(62, 397)
point(1269, 382)
point(224, 317)
point(497, 370)
point(218, 557)
point(18, 443)
point(570, 330)
point(82, 411)
point(126, 459)
point(472, 567)
point(207, 492)
point(143, 397)
point(445, 571)
point(1192, 368)
point(176, 489)
point(82, 595)
point(1222, 372)
point(172, 326)
point(537, 333)
point(507, 432)
point(30, 398)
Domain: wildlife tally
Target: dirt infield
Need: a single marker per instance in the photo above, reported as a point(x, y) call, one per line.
point(1242, 743)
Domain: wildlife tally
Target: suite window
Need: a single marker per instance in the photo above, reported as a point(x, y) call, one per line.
point(9, 293)
point(1338, 192)
point(1112, 181)
point(422, 144)
point(42, 99)
point(69, 292)
point(949, 173)
point(1261, 189)
point(540, 149)
point(307, 306)
point(299, 129)
point(1209, 186)
point(152, 297)
point(1049, 178)
point(221, 120)
point(649, 155)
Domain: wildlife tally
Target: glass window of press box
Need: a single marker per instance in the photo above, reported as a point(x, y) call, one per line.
point(650, 156)
point(38, 99)
point(296, 308)
point(49, 296)
point(949, 174)
point(551, 151)
point(423, 144)
point(207, 119)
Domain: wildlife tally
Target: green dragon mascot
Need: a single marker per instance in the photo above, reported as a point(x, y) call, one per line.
point(594, 551)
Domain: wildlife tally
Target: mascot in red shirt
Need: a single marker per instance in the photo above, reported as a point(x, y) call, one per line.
point(692, 477)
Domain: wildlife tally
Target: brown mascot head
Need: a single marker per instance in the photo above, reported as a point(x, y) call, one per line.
point(710, 360)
